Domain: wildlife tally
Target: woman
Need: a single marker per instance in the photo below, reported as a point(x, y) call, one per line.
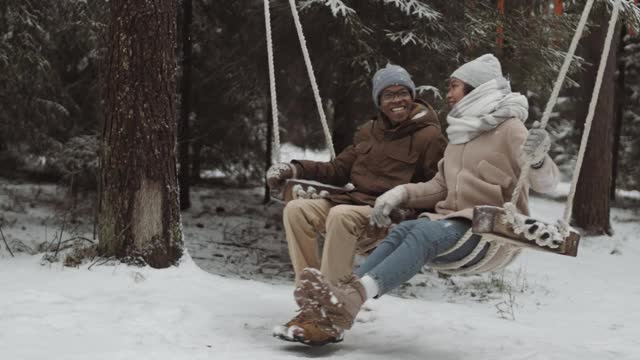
point(488, 145)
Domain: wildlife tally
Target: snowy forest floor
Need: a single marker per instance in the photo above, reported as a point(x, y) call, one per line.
point(542, 307)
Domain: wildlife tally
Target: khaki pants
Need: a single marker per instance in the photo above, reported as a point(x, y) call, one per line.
point(344, 227)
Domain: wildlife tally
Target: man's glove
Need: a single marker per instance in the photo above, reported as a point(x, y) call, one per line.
point(536, 146)
point(385, 203)
point(278, 174)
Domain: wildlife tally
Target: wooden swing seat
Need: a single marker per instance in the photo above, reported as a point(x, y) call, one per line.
point(492, 221)
point(289, 194)
point(488, 221)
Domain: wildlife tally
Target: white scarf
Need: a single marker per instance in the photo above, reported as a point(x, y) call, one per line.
point(483, 109)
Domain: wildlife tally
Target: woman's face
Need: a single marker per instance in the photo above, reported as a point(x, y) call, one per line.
point(455, 93)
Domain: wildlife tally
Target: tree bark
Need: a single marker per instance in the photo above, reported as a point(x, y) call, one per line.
point(184, 136)
point(500, 29)
point(139, 214)
point(196, 161)
point(619, 105)
point(592, 200)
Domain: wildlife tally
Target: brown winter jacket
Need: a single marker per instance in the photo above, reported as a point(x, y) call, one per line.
point(382, 157)
point(483, 171)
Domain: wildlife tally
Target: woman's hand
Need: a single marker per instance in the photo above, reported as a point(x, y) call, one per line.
point(536, 146)
point(385, 203)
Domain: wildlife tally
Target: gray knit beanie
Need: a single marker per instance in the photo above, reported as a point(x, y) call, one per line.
point(391, 75)
point(479, 71)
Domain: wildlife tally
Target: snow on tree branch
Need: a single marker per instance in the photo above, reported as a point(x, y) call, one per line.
point(406, 37)
point(337, 6)
point(417, 8)
point(426, 88)
point(631, 13)
point(53, 106)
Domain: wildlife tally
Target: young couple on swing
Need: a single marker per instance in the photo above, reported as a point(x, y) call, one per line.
point(401, 159)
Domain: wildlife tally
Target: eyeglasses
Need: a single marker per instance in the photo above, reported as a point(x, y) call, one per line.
point(391, 95)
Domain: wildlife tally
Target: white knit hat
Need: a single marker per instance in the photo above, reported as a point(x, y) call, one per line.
point(479, 71)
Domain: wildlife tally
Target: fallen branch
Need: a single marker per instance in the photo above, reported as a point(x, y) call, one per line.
point(5, 242)
point(78, 238)
point(104, 261)
point(64, 221)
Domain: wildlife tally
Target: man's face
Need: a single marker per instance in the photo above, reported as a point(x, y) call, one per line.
point(395, 103)
point(455, 93)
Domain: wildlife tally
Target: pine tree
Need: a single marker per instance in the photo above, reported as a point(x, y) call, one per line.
point(629, 172)
point(139, 213)
point(49, 55)
point(591, 205)
point(184, 133)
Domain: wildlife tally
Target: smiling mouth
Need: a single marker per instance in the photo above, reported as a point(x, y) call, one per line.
point(398, 109)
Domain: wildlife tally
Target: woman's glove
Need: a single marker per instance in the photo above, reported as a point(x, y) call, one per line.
point(385, 203)
point(536, 146)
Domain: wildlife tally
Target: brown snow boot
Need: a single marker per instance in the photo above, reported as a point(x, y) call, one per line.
point(338, 303)
point(307, 329)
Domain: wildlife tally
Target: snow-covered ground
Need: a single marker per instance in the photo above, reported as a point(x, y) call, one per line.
point(543, 307)
point(290, 152)
point(563, 190)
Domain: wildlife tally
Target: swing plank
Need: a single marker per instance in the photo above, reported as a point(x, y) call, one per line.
point(288, 195)
point(490, 220)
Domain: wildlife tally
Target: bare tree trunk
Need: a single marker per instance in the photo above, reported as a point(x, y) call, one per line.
point(139, 215)
point(184, 136)
point(591, 205)
point(196, 161)
point(500, 29)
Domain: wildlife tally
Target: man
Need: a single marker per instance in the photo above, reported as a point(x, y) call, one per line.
point(402, 144)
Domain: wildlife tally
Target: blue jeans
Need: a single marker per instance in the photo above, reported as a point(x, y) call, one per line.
point(412, 244)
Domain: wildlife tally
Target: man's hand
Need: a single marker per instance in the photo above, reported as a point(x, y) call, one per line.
point(278, 174)
point(385, 203)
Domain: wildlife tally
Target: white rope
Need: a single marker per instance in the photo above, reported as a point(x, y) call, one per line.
point(543, 234)
point(592, 109)
point(275, 152)
point(556, 91)
point(312, 78)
